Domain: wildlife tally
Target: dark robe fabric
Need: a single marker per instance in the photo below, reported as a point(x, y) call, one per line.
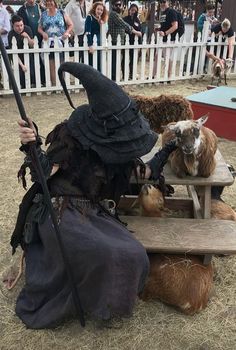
point(109, 266)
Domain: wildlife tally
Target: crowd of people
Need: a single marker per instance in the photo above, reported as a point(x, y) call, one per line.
point(79, 18)
point(82, 20)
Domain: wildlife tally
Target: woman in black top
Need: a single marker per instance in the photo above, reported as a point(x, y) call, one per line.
point(133, 20)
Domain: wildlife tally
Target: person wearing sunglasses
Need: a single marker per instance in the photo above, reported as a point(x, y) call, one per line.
point(171, 23)
point(117, 26)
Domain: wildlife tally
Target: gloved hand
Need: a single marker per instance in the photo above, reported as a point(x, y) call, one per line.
point(159, 160)
point(29, 134)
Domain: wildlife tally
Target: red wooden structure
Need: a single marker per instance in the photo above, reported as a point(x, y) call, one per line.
point(222, 110)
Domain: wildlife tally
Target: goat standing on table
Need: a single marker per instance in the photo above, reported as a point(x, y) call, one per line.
point(196, 147)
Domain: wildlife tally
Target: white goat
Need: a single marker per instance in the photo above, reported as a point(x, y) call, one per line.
point(196, 147)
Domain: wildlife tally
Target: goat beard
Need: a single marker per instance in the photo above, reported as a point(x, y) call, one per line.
point(188, 161)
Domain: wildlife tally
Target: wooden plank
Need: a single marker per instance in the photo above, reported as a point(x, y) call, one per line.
point(178, 236)
point(174, 203)
point(207, 202)
point(196, 205)
point(220, 177)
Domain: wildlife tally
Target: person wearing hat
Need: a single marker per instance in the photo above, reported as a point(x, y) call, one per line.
point(88, 165)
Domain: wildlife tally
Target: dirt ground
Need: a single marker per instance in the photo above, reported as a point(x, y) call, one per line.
point(153, 325)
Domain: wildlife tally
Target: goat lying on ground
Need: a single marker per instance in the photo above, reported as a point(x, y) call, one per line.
point(196, 147)
point(220, 70)
point(178, 280)
point(164, 109)
point(219, 209)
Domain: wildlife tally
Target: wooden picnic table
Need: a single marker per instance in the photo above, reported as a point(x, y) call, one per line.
point(196, 235)
point(220, 177)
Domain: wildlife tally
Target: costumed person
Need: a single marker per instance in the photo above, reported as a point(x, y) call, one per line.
point(88, 165)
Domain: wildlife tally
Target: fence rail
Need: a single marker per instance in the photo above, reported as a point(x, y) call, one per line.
point(153, 62)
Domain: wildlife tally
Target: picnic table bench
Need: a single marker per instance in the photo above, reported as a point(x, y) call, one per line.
point(197, 235)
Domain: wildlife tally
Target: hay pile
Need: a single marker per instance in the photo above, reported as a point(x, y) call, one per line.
point(154, 325)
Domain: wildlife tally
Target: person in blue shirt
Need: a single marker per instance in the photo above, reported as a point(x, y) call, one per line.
point(96, 17)
point(207, 16)
point(54, 23)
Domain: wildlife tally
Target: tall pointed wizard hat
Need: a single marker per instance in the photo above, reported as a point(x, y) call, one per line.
point(110, 124)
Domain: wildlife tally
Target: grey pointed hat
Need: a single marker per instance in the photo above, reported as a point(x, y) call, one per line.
point(110, 124)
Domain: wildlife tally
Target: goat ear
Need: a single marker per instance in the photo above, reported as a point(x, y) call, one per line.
point(171, 127)
point(202, 120)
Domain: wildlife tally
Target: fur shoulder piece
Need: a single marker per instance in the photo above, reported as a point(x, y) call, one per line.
point(61, 145)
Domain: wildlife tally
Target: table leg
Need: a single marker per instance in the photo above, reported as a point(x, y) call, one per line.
point(207, 202)
point(207, 259)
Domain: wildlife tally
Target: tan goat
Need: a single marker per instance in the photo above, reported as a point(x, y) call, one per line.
point(222, 211)
point(178, 280)
point(151, 201)
point(196, 147)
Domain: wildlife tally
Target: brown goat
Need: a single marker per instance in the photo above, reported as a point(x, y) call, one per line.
point(220, 70)
point(164, 109)
point(178, 280)
point(222, 211)
point(181, 281)
point(196, 147)
point(151, 201)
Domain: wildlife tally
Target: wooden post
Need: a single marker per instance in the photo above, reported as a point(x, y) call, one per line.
point(151, 19)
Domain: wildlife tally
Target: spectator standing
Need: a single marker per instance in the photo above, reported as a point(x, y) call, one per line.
point(171, 22)
point(116, 25)
point(97, 16)
point(30, 12)
point(227, 31)
point(21, 31)
point(5, 25)
point(78, 10)
point(207, 16)
point(53, 23)
point(133, 20)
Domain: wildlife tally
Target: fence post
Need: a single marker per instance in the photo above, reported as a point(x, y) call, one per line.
point(205, 33)
point(103, 52)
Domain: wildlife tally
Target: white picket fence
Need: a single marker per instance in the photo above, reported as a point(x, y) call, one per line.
point(188, 60)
